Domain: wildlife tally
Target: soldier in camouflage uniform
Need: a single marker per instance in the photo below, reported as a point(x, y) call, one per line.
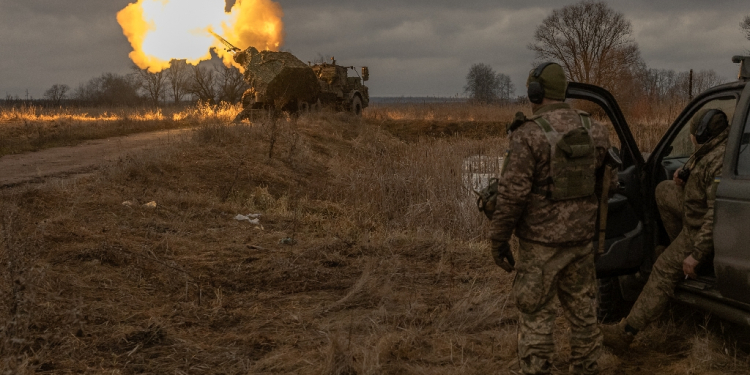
point(669, 201)
point(690, 227)
point(556, 256)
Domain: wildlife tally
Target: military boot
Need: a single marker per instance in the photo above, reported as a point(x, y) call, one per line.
point(616, 337)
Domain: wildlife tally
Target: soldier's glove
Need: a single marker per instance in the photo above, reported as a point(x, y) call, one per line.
point(502, 255)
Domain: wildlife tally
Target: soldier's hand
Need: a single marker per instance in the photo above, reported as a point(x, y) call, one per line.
point(677, 180)
point(502, 255)
point(688, 267)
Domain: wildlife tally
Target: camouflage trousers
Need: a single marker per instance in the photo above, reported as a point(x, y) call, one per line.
point(670, 201)
point(569, 273)
point(665, 275)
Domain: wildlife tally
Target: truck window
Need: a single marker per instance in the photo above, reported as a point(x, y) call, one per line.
point(681, 145)
point(743, 159)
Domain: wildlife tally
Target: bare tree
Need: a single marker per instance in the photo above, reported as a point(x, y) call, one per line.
point(660, 84)
point(745, 26)
point(483, 85)
point(230, 83)
point(109, 89)
point(589, 39)
point(178, 79)
point(657, 92)
point(57, 93)
point(506, 86)
point(705, 79)
point(202, 84)
point(154, 84)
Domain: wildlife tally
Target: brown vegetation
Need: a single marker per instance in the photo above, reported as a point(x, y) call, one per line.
point(369, 258)
point(29, 128)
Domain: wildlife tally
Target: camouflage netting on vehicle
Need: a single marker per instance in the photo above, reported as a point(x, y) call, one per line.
point(278, 78)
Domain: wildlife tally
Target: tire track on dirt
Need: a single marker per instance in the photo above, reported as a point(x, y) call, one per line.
point(76, 161)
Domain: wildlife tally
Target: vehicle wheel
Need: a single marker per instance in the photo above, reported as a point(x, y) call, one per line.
point(609, 300)
point(357, 106)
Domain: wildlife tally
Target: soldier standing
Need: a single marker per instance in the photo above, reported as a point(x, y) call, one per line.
point(546, 194)
point(688, 216)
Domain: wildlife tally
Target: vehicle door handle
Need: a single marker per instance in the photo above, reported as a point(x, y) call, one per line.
point(620, 186)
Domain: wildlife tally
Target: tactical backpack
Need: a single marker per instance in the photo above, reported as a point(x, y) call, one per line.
point(572, 161)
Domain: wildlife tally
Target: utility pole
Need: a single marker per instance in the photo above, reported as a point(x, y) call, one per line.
point(690, 86)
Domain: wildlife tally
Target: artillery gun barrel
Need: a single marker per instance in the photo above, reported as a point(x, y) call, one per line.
point(228, 46)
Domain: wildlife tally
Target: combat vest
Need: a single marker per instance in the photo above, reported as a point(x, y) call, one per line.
point(572, 161)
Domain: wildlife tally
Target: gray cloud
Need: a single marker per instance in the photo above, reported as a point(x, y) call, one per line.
point(46, 42)
point(417, 53)
point(413, 48)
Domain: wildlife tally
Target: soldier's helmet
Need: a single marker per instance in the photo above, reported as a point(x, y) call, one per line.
point(708, 123)
point(547, 81)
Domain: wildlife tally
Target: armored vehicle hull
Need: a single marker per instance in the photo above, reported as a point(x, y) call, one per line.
point(281, 82)
point(277, 80)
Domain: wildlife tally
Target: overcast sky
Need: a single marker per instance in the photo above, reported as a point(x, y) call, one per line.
point(413, 48)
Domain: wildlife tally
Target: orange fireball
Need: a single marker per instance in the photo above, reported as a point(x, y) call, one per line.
point(163, 30)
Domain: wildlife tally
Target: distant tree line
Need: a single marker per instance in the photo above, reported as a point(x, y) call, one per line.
point(594, 44)
point(206, 82)
point(485, 86)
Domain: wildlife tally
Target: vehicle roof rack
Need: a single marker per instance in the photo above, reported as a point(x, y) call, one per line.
point(744, 62)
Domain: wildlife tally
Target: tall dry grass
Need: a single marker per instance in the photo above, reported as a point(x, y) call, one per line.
point(369, 258)
point(30, 128)
point(367, 288)
point(647, 127)
point(446, 111)
point(418, 186)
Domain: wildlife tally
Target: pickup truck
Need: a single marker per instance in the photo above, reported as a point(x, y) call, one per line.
point(634, 229)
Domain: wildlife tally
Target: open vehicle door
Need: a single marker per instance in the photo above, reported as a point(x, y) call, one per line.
point(628, 242)
point(634, 226)
point(638, 177)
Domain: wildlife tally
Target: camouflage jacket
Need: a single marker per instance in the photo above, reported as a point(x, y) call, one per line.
point(700, 194)
point(534, 217)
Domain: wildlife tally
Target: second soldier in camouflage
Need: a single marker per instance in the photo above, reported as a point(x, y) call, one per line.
point(688, 216)
point(548, 200)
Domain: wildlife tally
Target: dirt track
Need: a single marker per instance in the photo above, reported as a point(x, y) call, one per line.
point(78, 160)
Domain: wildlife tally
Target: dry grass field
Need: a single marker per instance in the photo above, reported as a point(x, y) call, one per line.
point(368, 257)
point(31, 128)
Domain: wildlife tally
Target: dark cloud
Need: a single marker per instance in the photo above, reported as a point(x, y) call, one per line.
point(417, 47)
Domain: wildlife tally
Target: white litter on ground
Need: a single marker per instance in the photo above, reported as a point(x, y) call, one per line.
point(250, 218)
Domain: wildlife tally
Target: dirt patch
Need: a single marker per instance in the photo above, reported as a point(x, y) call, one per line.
point(65, 162)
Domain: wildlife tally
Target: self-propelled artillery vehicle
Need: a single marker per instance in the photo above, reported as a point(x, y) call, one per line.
point(279, 81)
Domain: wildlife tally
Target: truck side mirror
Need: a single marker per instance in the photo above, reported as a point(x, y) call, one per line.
point(744, 62)
point(365, 73)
